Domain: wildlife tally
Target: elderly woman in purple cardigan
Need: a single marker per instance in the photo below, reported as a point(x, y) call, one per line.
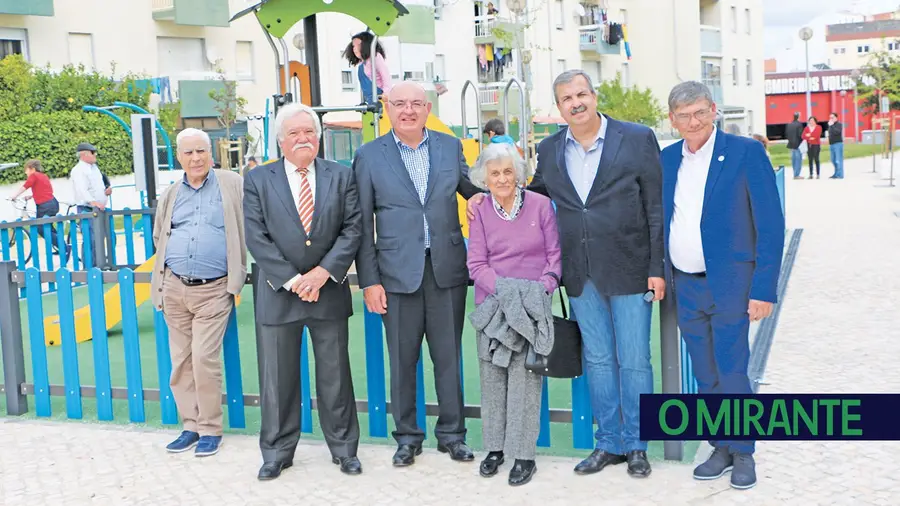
point(512, 235)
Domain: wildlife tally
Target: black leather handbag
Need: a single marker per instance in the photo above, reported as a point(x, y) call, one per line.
point(564, 361)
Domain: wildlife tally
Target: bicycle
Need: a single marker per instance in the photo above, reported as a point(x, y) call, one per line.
point(26, 212)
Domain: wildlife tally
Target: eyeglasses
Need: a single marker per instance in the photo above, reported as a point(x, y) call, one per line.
point(701, 115)
point(401, 104)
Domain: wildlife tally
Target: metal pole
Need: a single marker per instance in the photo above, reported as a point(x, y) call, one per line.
point(808, 94)
point(286, 72)
point(462, 101)
point(671, 364)
point(277, 57)
point(377, 113)
point(856, 133)
point(522, 120)
point(11, 342)
point(310, 34)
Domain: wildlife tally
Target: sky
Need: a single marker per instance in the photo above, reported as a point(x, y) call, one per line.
point(784, 18)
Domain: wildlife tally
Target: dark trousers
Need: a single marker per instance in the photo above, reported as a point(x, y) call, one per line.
point(438, 313)
point(813, 155)
point(718, 342)
point(279, 385)
point(49, 209)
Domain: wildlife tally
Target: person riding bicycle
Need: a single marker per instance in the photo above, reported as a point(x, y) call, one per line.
point(42, 193)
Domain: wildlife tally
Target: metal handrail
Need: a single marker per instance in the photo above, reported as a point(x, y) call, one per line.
point(462, 100)
point(286, 70)
point(523, 128)
point(377, 113)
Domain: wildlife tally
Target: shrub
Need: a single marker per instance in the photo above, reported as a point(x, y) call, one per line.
point(52, 138)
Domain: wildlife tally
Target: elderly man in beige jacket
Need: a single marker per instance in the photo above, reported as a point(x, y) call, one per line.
point(201, 263)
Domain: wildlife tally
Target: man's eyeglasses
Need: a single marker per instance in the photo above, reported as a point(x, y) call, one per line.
point(401, 104)
point(701, 115)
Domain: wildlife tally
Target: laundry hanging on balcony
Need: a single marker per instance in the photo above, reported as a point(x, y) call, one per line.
point(614, 33)
point(625, 40)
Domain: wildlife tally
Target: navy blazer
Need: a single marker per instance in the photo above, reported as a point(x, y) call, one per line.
point(391, 209)
point(742, 226)
point(616, 237)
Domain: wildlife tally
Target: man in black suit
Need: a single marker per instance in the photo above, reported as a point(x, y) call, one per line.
point(794, 131)
point(303, 229)
point(606, 181)
point(414, 273)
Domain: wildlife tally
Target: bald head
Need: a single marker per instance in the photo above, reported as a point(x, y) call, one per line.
point(408, 109)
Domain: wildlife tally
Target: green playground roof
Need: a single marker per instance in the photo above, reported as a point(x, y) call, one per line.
point(278, 16)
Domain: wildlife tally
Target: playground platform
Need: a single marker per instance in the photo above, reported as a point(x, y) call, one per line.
point(838, 324)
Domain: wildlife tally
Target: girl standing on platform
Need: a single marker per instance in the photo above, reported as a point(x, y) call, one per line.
point(359, 53)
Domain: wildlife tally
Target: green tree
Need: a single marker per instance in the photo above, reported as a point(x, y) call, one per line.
point(880, 77)
point(16, 83)
point(628, 103)
point(229, 105)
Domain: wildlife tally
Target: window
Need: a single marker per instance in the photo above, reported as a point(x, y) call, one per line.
point(81, 50)
point(734, 71)
point(749, 71)
point(244, 60)
point(438, 8)
point(561, 14)
point(626, 75)
point(13, 41)
point(414, 76)
point(749, 121)
point(593, 70)
point(347, 80)
point(747, 20)
point(183, 58)
point(560, 66)
point(439, 67)
point(734, 19)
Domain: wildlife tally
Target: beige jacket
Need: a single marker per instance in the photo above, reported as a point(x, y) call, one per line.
point(232, 187)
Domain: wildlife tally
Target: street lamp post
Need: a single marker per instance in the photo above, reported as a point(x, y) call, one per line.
point(854, 74)
point(806, 33)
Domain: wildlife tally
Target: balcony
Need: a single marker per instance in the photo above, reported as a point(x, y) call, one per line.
point(710, 40)
point(490, 96)
point(27, 7)
point(591, 41)
point(497, 31)
point(192, 12)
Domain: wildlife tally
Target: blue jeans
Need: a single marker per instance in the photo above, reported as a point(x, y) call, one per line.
point(837, 158)
point(616, 345)
point(718, 341)
point(796, 161)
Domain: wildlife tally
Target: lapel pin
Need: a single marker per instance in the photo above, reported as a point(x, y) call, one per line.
point(721, 158)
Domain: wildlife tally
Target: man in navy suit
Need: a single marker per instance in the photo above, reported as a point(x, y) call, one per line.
point(606, 181)
point(725, 238)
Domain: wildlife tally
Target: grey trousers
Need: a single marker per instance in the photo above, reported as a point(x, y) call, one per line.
point(510, 408)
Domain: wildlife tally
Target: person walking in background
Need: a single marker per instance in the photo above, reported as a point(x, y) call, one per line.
point(794, 133)
point(836, 145)
point(201, 266)
point(812, 134)
point(369, 67)
point(513, 249)
point(91, 192)
point(724, 243)
point(44, 200)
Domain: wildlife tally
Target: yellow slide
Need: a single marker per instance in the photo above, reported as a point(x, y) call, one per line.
point(111, 303)
point(471, 150)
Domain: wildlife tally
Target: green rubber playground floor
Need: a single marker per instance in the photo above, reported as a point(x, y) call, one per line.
point(559, 389)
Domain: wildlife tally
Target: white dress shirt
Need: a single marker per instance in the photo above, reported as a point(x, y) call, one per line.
point(685, 241)
point(88, 183)
point(294, 179)
point(582, 165)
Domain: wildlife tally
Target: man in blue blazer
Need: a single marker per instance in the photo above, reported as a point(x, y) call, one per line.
point(724, 233)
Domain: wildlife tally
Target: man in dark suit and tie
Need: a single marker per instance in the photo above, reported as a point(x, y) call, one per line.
point(303, 230)
point(725, 237)
point(605, 179)
point(415, 273)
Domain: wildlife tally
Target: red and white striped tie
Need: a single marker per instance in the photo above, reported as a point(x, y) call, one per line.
point(306, 201)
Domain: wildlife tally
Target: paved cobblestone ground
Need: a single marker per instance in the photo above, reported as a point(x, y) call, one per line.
point(839, 332)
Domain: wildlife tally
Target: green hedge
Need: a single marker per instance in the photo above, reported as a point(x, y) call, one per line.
point(52, 138)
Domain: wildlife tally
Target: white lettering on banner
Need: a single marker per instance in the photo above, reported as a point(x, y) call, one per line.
point(785, 85)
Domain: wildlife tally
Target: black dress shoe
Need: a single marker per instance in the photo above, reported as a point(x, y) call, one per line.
point(521, 472)
point(458, 450)
point(638, 465)
point(491, 464)
point(406, 455)
point(349, 465)
point(597, 461)
point(272, 470)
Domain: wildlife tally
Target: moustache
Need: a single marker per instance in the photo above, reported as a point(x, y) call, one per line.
point(579, 109)
point(301, 146)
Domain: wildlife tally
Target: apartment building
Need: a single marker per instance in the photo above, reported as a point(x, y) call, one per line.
point(178, 42)
point(851, 45)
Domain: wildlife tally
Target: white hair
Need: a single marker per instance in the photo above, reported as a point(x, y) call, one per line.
point(293, 109)
point(192, 132)
point(494, 153)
